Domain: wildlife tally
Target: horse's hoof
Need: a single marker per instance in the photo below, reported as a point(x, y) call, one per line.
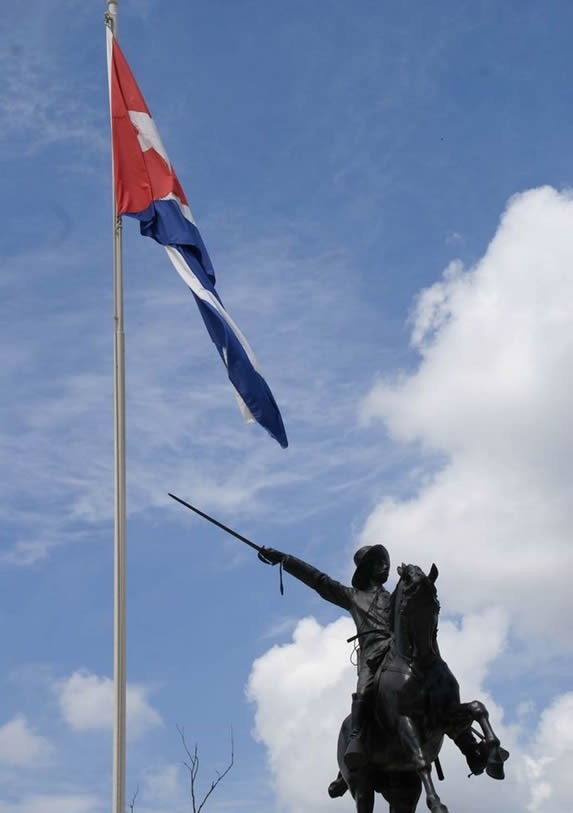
point(494, 767)
point(495, 771)
point(439, 808)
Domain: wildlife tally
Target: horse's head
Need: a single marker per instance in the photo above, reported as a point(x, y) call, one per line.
point(414, 612)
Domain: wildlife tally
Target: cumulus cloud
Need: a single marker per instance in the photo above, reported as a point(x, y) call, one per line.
point(490, 400)
point(493, 395)
point(21, 745)
point(549, 759)
point(86, 703)
point(302, 693)
point(471, 645)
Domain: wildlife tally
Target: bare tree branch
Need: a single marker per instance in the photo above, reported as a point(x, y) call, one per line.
point(131, 804)
point(192, 765)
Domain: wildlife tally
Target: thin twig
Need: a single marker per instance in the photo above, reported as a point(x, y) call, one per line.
point(131, 804)
point(192, 766)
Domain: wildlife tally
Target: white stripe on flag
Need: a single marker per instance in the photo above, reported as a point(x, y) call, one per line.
point(191, 280)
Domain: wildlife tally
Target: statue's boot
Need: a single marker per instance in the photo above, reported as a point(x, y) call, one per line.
point(338, 787)
point(476, 753)
point(355, 756)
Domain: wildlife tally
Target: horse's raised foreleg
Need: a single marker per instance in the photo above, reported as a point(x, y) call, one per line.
point(432, 799)
point(410, 739)
point(496, 755)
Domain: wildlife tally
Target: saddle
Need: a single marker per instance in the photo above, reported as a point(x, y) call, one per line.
point(379, 661)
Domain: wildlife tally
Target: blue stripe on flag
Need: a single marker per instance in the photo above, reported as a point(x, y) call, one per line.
point(165, 223)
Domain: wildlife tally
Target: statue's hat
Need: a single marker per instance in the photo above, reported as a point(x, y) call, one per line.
point(363, 558)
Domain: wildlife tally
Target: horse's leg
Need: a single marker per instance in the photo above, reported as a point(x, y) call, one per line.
point(432, 799)
point(411, 742)
point(401, 806)
point(363, 793)
point(402, 791)
point(496, 755)
point(475, 752)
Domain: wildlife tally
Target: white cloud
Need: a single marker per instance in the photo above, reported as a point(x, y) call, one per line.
point(493, 394)
point(53, 803)
point(163, 784)
point(302, 693)
point(21, 745)
point(471, 646)
point(87, 701)
point(549, 759)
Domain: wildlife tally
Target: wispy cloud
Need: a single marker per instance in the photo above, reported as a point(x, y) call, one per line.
point(57, 436)
point(40, 98)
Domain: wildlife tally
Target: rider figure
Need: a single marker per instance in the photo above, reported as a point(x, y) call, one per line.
point(368, 603)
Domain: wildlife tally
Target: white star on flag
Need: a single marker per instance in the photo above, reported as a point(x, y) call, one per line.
point(147, 135)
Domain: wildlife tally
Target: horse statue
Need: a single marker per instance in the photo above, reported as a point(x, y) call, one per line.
point(417, 703)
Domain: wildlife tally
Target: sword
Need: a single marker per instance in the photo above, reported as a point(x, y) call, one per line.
point(260, 550)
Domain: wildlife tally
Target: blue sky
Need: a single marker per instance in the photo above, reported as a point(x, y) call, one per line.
point(384, 191)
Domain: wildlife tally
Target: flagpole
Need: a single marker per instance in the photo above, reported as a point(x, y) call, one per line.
point(119, 637)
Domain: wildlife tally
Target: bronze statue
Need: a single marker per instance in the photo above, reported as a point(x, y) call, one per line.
point(407, 699)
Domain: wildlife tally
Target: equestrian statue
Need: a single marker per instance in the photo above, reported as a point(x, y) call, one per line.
point(406, 698)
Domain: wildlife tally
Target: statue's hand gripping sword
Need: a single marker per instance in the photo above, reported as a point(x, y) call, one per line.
point(260, 550)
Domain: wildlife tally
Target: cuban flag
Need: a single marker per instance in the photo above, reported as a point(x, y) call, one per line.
point(148, 189)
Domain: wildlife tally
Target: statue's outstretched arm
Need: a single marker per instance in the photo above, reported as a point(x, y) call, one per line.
point(327, 588)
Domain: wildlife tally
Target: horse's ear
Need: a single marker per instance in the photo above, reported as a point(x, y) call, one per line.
point(404, 572)
point(433, 574)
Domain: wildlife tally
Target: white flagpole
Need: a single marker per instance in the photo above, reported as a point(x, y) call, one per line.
point(119, 671)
